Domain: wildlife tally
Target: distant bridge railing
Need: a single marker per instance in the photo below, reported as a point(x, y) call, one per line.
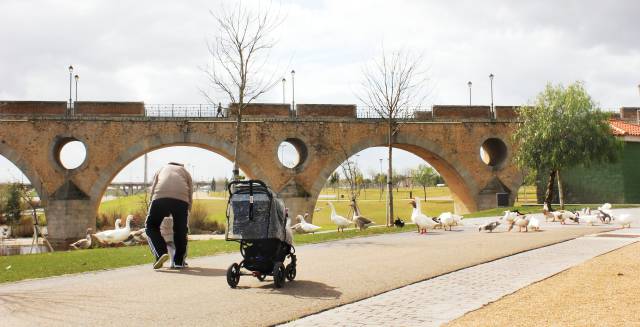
point(215, 111)
point(185, 110)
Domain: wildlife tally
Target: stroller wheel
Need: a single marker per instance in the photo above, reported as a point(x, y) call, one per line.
point(261, 277)
point(233, 275)
point(278, 274)
point(290, 272)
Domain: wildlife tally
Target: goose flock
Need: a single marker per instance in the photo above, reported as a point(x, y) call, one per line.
point(601, 215)
point(446, 220)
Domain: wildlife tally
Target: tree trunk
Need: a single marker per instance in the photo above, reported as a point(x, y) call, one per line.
point(560, 190)
point(424, 189)
point(236, 167)
point(390, 175)
point(549, 194)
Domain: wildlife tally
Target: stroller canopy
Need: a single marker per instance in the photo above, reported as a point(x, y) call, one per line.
point(254, 212)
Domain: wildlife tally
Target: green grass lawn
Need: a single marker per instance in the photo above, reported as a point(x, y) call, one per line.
point(19, 267)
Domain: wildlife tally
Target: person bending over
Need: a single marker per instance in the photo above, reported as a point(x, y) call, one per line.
point(171, 194)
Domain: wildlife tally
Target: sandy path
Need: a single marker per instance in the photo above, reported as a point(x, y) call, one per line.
point(600, 292)
point(329, 274)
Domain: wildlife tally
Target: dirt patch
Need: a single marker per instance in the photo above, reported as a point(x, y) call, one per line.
point(600, 292)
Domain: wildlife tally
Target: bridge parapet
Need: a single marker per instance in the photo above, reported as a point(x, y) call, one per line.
point(461, 112)
point(101, 108)
point(326, 110)
point(33, 107)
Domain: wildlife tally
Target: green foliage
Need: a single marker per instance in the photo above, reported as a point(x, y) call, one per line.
point(564, 128)
point(425, 176)
point(3, 201)
point(334, 179)
point(213, 184)
point(13, 205)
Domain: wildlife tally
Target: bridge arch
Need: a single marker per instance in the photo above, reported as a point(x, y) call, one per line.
point(32, 175)
point(160, 141)
point(458, 178)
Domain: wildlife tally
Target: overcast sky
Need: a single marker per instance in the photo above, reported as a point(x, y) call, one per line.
point(154, 51)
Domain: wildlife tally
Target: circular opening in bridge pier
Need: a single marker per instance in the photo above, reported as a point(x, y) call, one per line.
point(292, 152)
point(72, 153)
point(493, 152)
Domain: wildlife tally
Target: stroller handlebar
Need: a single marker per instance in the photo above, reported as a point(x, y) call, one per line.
point(247, 183)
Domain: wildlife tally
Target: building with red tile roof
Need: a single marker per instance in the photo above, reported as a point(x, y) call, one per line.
point(628, 130)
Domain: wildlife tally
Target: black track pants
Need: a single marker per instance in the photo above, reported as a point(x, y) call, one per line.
point(159, 209)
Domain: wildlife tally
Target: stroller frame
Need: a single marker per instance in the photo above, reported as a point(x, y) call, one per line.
point(264, 256)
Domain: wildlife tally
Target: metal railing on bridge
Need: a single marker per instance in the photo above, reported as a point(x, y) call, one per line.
point(215, 111)
point(186, 110)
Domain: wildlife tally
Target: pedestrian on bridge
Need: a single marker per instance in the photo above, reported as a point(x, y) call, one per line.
point(171, 194)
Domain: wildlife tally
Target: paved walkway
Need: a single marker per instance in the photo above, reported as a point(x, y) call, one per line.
point(329, 275)
point(444, 298)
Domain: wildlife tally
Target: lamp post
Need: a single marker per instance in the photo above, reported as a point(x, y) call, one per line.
point(469, 84)
point(293, 90)
point(284, 81)
point(70, 86)
point(493, 114)
point(76, 78)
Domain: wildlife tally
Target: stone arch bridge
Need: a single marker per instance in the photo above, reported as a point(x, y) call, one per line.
point(449, 138)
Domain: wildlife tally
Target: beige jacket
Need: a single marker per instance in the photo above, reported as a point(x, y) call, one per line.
point(172, 181)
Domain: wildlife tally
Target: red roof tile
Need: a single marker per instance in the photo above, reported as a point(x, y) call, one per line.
point(622, 128)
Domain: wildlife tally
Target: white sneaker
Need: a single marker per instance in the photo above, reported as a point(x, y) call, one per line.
point(182, 266)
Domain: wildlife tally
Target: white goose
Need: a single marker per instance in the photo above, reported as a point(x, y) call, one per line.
point(521, 222)
point(623, 220)
point(421, 220)
point(340, 221)
point(446, 219)
point(360, 221)
point(509, 218)
point(303, 227)
point(534, 224)
point(118, 223)
point(450, 220)
point(115, 236)
point(590, 219)
point(84, 243)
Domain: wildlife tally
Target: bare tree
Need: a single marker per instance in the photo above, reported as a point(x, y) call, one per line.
point(354, 178)
point(27, 197)
point(392, 85)
point(240, 53)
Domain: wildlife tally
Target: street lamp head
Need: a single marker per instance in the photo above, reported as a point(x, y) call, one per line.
point(76, 77)
point(284, 80)
point(469, 83)
point(491, 76)
point(70, 69)
point(293, 72)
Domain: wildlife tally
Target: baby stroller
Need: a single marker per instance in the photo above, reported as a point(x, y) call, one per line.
point(256, 219)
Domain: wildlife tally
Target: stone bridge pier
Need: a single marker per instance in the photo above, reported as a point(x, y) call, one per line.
point(473, 155)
